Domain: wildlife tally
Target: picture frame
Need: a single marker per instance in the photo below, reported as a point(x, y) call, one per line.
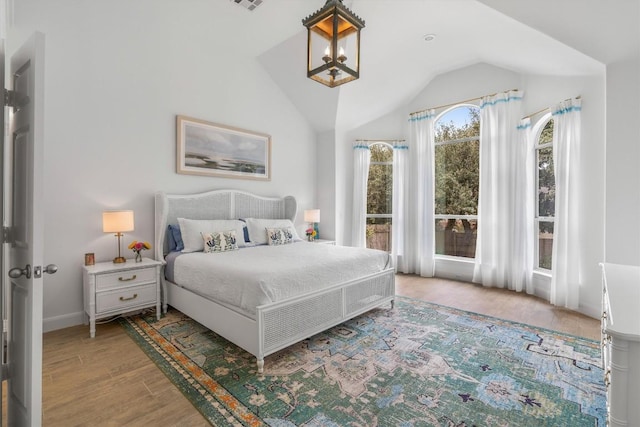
point(211, 149)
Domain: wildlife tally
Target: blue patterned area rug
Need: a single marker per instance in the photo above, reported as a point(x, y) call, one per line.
point(419, 364)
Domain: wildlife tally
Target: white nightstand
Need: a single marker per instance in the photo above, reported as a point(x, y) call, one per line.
point(111, 289)
point(324, 242)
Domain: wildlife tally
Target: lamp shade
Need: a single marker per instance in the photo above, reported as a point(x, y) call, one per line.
point(312, 215)
point(117, 221)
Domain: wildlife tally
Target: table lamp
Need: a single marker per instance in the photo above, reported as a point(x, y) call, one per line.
point(312, 216)
point(117, 222)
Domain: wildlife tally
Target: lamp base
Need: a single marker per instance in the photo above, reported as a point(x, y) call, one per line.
point(119, 260)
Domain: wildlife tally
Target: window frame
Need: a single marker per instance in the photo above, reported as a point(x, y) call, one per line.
point(537, 219)
point(449, 142)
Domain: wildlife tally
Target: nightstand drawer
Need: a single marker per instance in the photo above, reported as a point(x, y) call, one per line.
point(125, 278)
point(120, 299)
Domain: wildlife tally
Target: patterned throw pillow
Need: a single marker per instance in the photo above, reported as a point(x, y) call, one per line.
point(279, 236)
point(220, 241)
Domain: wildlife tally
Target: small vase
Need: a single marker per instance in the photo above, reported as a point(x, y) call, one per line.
point(310, 238)
point(138, 257)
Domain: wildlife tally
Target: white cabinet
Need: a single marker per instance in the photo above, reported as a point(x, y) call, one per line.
point(621, 342)
point(111, 289)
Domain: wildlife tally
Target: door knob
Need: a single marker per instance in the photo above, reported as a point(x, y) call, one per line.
point(50, 269)
point(16, 272)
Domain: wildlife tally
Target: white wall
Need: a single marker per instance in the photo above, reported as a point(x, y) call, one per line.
point(117, 74)
point(326, 184)
point(623, 163)
point(540, 92)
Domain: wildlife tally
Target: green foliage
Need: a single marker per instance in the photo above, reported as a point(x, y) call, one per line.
point(380, 181)
point(457, 166)
point(546, 176)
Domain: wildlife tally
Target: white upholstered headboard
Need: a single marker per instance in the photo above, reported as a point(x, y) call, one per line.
point(217, 204)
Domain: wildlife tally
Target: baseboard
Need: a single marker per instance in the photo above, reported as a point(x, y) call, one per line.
point(591, 310)
point(60, 322)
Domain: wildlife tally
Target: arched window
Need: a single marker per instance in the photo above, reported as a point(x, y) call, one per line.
point(457, 173)
point(546, 193)
point(379, 197)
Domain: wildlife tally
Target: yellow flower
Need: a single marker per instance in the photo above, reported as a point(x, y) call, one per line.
point(138, 246)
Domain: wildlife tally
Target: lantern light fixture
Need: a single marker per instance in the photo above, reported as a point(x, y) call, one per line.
point(333, 44)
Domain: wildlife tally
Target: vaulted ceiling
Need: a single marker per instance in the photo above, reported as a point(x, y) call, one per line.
point(549, 37)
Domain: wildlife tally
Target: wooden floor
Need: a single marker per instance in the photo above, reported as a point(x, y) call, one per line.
point(109, 381)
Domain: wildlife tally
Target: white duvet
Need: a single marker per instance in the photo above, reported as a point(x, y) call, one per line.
point(254, 276)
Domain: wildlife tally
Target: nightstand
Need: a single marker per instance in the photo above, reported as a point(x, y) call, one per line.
point(111, 289)
point(324, 242)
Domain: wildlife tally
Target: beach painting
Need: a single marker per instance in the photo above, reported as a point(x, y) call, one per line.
point(205, 148)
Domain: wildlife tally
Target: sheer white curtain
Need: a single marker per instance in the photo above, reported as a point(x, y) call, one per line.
point(418, 237)
point(499, 118)
point(400, 206)
point(361, 160)
point(565, 282)
point(524, 198)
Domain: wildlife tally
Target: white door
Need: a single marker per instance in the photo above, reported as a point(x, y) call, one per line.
point(23, 222)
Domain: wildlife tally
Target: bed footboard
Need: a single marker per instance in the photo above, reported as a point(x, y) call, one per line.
point(283, 324)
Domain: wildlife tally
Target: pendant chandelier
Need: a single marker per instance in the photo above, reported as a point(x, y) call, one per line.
point(333, 44)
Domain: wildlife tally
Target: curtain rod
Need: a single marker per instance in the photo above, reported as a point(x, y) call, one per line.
point(380, 140)
point(547, 108)
point(456, 103)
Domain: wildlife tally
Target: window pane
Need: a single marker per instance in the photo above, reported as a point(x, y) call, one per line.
point(457, 178)
point(546, 136)
point(546, 183)
point(381, 153)
point(456, 237)
point(380, 184)
point(545, 244)
point(461, 122)
point(379, 233)
point(379, 189)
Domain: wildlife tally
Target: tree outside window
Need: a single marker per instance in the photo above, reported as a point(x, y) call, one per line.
point(380, 197)
point(546, 190)
point(457, 175)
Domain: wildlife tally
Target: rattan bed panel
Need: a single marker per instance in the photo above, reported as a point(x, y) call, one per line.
point(293, 321)
point(247, 206)
point(364, 294)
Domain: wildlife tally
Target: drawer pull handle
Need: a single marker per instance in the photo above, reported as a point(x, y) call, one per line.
point(129, 299)
point(127, 280)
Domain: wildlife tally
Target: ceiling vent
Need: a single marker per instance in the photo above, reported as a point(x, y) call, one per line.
point(249, 4)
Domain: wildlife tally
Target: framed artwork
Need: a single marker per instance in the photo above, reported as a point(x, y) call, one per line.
point(205, 148)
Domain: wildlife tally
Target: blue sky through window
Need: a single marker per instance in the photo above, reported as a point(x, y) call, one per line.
point(459, 116)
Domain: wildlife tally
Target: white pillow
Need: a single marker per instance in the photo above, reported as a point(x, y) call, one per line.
point(192, 230)
point(258, 228)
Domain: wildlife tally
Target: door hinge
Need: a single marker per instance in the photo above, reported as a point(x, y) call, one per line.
point(4, 367)
point(7, 234)
point(15, 99)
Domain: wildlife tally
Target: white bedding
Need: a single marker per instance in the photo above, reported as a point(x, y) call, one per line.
point(253, 276)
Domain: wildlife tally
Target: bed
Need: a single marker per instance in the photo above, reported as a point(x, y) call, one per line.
point(272, 311)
